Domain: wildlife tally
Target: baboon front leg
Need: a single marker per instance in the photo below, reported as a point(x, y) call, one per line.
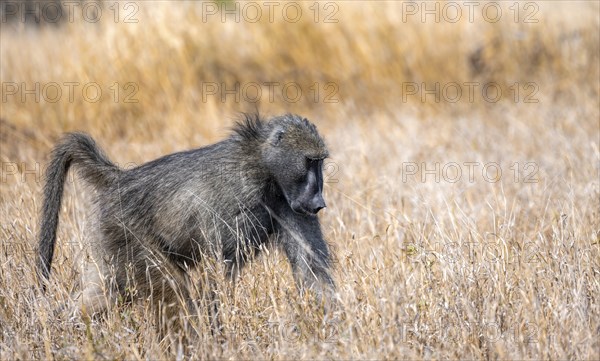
point(301, 238)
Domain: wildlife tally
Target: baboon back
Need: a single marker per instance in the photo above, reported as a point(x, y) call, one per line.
point(187, 204)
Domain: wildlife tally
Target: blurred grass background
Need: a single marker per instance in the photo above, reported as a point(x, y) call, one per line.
point(404, 293)
point(173, 49)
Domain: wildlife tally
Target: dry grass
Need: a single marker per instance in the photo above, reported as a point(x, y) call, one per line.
point(426, 268)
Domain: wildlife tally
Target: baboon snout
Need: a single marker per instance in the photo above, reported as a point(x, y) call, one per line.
point(309, 206)
point(316, 204)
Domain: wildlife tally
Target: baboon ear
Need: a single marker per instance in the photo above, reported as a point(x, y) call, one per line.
point(276, 136)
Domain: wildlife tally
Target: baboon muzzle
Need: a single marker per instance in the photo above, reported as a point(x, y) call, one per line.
point(316, 204)
point(312, 206)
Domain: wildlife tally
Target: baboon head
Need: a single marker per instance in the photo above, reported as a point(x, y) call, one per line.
point(294, 153)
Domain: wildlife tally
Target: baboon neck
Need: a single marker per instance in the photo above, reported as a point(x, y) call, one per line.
point(248, 153)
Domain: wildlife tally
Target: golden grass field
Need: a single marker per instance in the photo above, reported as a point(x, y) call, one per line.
point(464, 228)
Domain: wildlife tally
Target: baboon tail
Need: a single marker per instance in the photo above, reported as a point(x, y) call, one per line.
point(79, 150)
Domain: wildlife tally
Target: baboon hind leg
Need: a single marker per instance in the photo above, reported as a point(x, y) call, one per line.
point(100, 293)
point(154, 277)
point(136, 272)
point(210, 302)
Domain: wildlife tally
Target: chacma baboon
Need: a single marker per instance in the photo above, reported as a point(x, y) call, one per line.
point(260, 186)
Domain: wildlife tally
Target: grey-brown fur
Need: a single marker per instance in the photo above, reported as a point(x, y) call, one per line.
point(224, 200)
